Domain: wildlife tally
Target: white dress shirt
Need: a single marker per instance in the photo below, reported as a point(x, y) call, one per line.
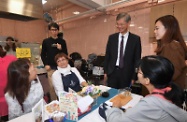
point(125, 37)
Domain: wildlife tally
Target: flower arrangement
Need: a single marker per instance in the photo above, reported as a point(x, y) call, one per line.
point(90, 90)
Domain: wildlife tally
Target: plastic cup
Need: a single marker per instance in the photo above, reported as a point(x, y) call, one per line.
point(95, 101)
point(58, 116)
point(126, 91)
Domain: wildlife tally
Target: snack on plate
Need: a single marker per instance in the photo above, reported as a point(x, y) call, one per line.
point(91, 90)
point(52, 107)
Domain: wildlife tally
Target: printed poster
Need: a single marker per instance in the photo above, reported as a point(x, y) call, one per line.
point(38, 112)
point(68, 105)
point(23, 52)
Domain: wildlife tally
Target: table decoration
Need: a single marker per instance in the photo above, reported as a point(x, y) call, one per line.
point(92, 90)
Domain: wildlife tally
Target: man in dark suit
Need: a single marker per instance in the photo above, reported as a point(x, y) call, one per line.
point(123, 51)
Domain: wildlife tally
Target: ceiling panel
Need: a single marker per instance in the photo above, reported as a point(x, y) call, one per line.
point(53, 4)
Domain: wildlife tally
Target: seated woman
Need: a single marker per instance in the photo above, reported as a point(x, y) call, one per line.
point(165, 98)
point(65, 76)
point(5, 60)
point(23, 91)
point(10, 46)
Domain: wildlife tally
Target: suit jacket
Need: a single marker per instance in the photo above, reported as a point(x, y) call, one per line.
point(131, 57)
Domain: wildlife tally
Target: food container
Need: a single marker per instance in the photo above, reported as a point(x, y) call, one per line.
point(58, 116)
point(52, 107)
point(126, 91)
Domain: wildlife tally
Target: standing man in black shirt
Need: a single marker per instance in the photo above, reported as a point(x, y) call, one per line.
point(50, 47)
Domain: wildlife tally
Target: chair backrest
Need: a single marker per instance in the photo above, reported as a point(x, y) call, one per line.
point(99, 61)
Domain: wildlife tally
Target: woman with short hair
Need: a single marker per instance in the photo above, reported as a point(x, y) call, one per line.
point(164, 102)
point(65, 76)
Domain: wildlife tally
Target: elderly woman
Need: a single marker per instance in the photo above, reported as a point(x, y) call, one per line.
point(65, 76)
point(5, 60)
point(23, 88)
point(164, 102)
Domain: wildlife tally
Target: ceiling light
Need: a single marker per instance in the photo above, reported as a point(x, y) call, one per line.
point(76, 12)
point(92, 17)
point(132, 25)
point(105, 20)
point(159, 1)
point(44, 1)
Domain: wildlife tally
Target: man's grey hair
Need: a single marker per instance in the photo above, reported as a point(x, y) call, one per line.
point(123, 15)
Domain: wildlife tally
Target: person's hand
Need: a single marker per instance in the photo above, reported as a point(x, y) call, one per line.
point(59, 46)
point(105, 79)
point(132, 82)
point(84, 83)
point(47, 67)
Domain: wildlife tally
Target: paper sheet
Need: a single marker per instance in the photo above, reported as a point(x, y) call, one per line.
point(84, 103)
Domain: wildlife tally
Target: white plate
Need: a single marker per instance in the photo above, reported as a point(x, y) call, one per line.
point(52, 107)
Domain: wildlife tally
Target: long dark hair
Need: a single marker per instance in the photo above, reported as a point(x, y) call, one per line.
point(7, 47)
point(75, 56)
point(2, 52)
point(173, 32)
point(160, 72)
point(18, 84)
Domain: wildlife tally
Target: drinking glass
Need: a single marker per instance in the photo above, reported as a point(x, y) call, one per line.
point(125, 91)
point(95, 101)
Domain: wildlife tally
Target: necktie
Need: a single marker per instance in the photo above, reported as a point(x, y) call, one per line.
point(121, 62)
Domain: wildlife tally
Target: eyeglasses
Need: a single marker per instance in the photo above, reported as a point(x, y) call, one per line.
point(61, 60)
point(53, 29)
point(120, 25)
point(140, 72)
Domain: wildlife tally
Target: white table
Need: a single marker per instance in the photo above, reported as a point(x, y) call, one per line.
point(24, 118)
point(93, 116)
